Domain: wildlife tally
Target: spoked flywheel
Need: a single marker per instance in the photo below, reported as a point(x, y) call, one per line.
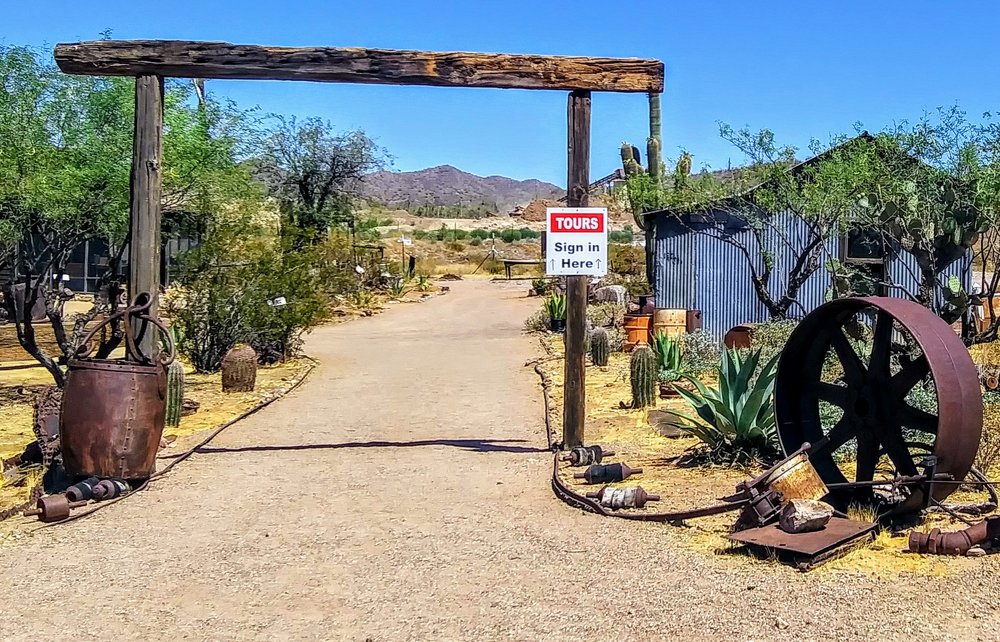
point(876, 385)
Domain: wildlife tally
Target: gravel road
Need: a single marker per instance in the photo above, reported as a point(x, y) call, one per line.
point(402, 494)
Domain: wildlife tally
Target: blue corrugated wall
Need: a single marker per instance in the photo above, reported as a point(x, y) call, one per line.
point(696, 271)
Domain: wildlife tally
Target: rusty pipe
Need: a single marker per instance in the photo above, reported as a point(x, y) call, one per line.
point(955, 543)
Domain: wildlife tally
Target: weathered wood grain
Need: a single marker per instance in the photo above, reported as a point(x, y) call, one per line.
point(187, 59)
point(146, 185)
point(575, 396)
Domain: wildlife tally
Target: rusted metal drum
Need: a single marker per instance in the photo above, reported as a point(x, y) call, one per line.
point(739, 336)
point(796, 478)
point(637, 330)
point(112, 418)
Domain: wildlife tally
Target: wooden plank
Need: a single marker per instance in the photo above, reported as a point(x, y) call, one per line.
point(189, 59)
point(144, 203)
point(575, 397)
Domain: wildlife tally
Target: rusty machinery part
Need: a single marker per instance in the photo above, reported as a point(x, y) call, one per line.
point(110, 488)
point(53, 508)
point(957, 543)
point(137, 313)
point(871, 396)
point(607, 473)
point(615, 498)
point(83, 490)
point(586, 455)
point(178, 458)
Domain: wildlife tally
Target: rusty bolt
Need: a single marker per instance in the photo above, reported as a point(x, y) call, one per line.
point(53, 508)
point(82, 491)
point(615, 498)
point(607, 473)
point(586, 455)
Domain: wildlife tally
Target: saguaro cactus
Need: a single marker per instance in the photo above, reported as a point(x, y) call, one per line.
point(643, 376)
point(239, 369)
point(175, 393)
point(599, 347)
point(654, 144)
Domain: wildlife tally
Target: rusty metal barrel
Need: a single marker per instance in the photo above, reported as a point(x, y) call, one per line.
point(113, 409)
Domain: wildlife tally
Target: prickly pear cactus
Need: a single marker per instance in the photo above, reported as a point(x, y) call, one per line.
point(239, 369)
point(599, 347)
point(643, 376)
point(175, 393)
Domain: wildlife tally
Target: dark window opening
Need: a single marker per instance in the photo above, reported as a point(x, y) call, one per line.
point(864, 252)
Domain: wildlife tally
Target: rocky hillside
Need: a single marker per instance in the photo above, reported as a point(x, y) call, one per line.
point(445, 185)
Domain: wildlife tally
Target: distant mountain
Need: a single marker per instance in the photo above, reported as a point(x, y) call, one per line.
point(446, 185)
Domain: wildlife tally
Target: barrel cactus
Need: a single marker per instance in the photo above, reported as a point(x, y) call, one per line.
point(239, 369)
point(643, 376)
point(175, 393)
point(599, 347)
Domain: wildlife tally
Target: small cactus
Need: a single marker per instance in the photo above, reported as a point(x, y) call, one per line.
point(599, 347)
point(175, 393)
point(643, 376)
point(239, 369)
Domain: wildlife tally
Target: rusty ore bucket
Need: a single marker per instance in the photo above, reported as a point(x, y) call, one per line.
point(112, 418)
point(113, 410)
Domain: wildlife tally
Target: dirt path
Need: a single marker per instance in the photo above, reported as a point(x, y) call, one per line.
point(402, 494)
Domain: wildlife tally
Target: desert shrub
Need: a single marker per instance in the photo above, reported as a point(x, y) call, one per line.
point(455, 246)
point(537, 321)
point(528, 234)
point(770, 337)
point(229, 301)
point(988, 457)
point(702, 352)
point(476, 241)
point(480, 234)
point(509, 236)
point(622, 236)
point(606, 314)
point(627, 260)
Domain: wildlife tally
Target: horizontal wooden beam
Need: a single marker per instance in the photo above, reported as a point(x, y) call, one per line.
point(186, 59)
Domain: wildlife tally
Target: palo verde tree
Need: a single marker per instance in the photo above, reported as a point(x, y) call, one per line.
point(65, 159)
point(775, 206)
point(314, 172)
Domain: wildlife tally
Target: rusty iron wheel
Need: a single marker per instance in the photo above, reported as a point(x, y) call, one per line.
point(868, 398)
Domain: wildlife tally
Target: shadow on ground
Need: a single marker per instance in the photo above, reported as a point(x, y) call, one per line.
point(476, 445)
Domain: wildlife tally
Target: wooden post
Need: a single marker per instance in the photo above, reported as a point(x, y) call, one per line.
point(575, 393)
point(144, 201)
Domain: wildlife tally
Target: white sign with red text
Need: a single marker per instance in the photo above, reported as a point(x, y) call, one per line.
point(576, 242)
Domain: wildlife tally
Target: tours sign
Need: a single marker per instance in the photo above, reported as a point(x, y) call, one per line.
point(576, 242)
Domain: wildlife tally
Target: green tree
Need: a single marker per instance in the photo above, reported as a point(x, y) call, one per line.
point(314, 171)
point(65, 159)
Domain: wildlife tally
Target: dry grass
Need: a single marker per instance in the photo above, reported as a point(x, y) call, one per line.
point(636, 443)
point(217, 407)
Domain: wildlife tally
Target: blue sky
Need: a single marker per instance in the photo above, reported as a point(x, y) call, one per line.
point(802, 69)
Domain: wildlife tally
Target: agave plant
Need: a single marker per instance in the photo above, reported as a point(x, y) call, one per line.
point(737, 418)
point(669, 355)
point(555, 305)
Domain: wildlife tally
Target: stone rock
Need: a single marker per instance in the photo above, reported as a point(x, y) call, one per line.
point(611, 294)
point(804, 516)
point(976, 551)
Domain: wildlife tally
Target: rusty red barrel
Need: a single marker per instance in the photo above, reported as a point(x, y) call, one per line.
point(112, 418)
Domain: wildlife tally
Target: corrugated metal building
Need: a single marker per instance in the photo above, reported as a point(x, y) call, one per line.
point(695, 270)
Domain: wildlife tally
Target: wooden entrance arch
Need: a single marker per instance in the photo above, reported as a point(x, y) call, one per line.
point(150, 61)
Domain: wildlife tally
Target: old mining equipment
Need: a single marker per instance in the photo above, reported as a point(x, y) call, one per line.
point(53, 508)
point(586, 455)
point(615, 498)
point(113, 409)
point(869, 397)
point(607, 473)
